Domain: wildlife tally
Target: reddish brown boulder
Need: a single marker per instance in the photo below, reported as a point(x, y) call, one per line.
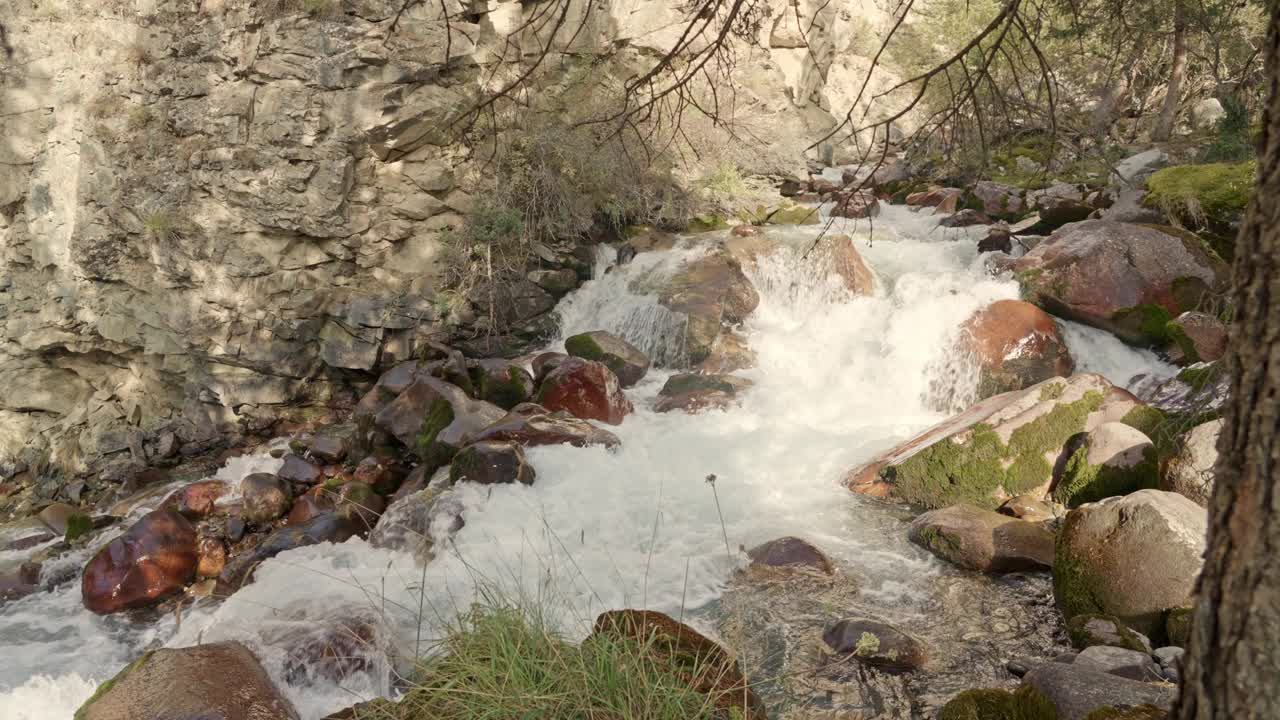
point(213, 557)
point(999, 199)
point(715, 294)
point(585, 389)
point(435, 419)
point(1127, 279)
point(154, 558)
point(545, 363)
point(790, 552)
point(383, 474)
point(530, 424)
point(491, 463)
point(196, 500)
point(847, 262)
point(1016, 345)
point(265, 497)
point(312, 504)
point(693, 392)
point(934, 196)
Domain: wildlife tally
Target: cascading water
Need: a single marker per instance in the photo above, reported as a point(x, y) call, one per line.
point(837, 379)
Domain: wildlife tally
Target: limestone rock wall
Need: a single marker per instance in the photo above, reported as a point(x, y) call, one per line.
point(214, 213)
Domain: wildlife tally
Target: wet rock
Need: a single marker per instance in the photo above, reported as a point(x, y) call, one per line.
point(435, 419)
point(502, 382)
point(544, 363)
point(1195, 391)
point(729, 353)
point(309, 506)
point(235, 529)
point(1190, 471)
point(790, 552)
point(1114, 459)
point(1028, 507)
point(1016, 345)
point(1076, 691)
point(876, 644)
point(213, 557)
point(998, 239)
point(746, 231)
point(1001, 447)
point(624, 359)
point(1121, 662)
point(978, 539)
point(265, 498)
point(700, 662)
point(1126, 279)
point(847, 263)
point(297, 470)
point(715, 294)
point(328, 448)
point(14, 586)
point(154, 558)
point(856, 205)
point(967, 217)
point(1197, 337)
point(331, 527)
point(692, 392)
point(65, 520)
point(1135, 557)
point(1088, 630)
point(412, 523)
point(217, 680)
point(491, 463)
point(934, 196)
point(198, 499)
point(585, 389)
point(360, 502)
point(383, 474)
point(326, 649)
point(530, 424)
point(999, 200)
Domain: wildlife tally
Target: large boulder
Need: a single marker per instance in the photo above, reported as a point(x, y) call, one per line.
point(1128, 279)
point(197, 499)
point(530, 424)
point(624, 359)
point(714, 294)
point(699, 661)
point(1136, 168)
point(1135, 557)
point(934, 197)
point(875, 643)
point(154, 558)
point(1016, 345)
point(1059, 204)
point(1132, 664)
point(1075, 691)
point(491, 463)
point(847, 263)
point(999, 200)
point(1190, 471)
point(1113, 459)
point(1001, 447)
point(219, 680)
point(856, 205)
point(435, 418)
point(300, 471)
point(1196, 391)
point(692, 392)
point(413, 522)
point(982, 540)
point(585, 389)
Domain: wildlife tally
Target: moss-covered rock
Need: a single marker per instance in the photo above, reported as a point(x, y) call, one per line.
point(501, 382)
point(1089, 630)
point(1001, 447)
point(876, 644)
point(1114, 459)
point(982, 540)
point(1134, 557)
point(1177, 626)
point(714, 294)
point(1201, 194)
point(792, 215)
point(707, 223)
point(624, 359)
point(1025, 703)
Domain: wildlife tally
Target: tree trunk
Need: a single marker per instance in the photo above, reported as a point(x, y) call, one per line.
point(1177, 74)
point(1104, 116)
point(1233, 662)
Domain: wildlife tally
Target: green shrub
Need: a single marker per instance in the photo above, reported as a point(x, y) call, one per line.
point(1233, 141)
point(161, 225)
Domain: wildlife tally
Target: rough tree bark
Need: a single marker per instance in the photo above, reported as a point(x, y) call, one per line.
point(1177, 73)
point(1233, 663)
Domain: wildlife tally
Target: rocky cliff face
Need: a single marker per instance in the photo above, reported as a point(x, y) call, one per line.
point(218, 213)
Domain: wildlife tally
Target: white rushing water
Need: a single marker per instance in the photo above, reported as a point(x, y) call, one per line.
point(837, 380)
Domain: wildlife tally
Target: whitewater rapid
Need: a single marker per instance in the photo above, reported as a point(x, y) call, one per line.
point(837, 379)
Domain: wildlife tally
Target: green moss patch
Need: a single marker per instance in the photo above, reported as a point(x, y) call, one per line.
point(1084, 483)
point(1145, 323)
point(707, 223)
point(506, 389)
point(1216, 193)
point(1081, 637)
point(1177, 626)
point(948, 473)
point(105, 687)
point(1025, 703)
point(439, 416)
point(78, 525)
point(1137, 712)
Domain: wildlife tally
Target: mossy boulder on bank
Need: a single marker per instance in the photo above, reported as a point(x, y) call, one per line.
point(1134, 557)
point(1128, 279)
point(1114, 459)
point(1025, 703)
point(1199, 195)
point(624, 359)
point(1002, 447)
